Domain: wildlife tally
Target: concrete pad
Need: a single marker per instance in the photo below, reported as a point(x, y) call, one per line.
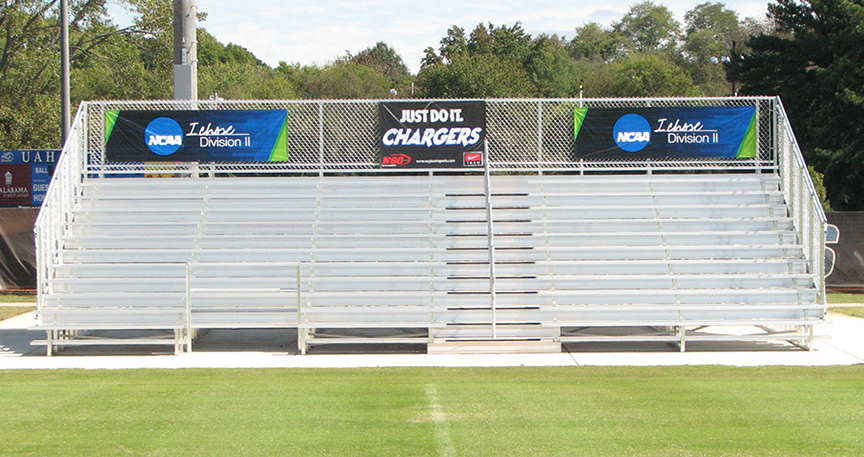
point(21, 322)
point(843, 345)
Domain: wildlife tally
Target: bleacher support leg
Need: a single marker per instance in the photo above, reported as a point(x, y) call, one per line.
point(301, 340)
point(177, 342)
point(50, 339)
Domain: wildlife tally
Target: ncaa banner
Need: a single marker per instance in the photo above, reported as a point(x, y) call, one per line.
point(661, 133)
point(442, 134)
point(196, 136)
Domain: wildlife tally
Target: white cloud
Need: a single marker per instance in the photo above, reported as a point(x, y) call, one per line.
point(319, 32)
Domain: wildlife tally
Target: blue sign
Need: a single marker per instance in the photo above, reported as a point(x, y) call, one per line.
point(665, 133)
point(25, 176)
point(632, 133)
point(196, 136)
point(164, 136)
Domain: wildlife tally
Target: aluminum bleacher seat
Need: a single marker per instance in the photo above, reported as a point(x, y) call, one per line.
point(570, 252)
point(539, 248)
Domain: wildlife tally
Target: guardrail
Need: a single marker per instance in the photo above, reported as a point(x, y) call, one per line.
point(801, 195)
point(60, 199)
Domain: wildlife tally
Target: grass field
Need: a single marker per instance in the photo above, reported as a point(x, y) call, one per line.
point(854, 311)
point(841, 299)
point(9, 304)
point(11, 311)
point(833, 297)
point(585, 411)
point(17, 298)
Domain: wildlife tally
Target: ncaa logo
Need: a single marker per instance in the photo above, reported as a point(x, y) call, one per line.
point(163, 136)
point(632, 133)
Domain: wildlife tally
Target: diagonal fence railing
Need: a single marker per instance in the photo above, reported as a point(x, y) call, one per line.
point(797, 185)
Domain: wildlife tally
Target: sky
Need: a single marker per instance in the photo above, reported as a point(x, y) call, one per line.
point(316, 32)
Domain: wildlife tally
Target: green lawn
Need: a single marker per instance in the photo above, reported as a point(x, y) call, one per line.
point(844, 298)
point(11, 311)
point(855, 311)
point(584, 411)
point(17, 298)
point(840, 299)
point(27, 304)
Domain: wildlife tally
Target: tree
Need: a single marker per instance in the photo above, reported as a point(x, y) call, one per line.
point(649, 28)
point(816, 65)
point(106, 62)
point(130, 63)
point(499, 61)
point(454, 44)
point(711, 32)
point(551, 68)
point(593, 42)
point(650, 76)
point(212, 52)
point(244, 81)
point(30, 65)
point(230, 71)
point(510, 43)
point(477, 76)
point(339, 80)
point(385, 61)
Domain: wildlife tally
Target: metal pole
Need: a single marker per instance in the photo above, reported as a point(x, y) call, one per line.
point(188, 308)
point(185, 50)
point(491, 240)
point(65, 103)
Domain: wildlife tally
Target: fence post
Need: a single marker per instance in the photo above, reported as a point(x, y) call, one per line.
point(188, 308)
point(490, 241)
point(301, 336)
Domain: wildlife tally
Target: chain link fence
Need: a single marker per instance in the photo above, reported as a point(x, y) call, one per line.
point(523, 135)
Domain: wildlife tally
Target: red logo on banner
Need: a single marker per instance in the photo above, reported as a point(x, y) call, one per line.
point(472, 159)
point(396, 160)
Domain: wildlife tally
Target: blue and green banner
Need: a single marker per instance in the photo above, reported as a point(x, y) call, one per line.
point(665, 133)
point(196, 136)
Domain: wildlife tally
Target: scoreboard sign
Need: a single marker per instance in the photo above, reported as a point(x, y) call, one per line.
point(25, 176)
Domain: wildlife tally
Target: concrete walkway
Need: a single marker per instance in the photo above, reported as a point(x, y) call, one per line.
point(842, 343)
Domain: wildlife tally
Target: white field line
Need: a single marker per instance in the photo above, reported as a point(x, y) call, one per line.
point(442, 435)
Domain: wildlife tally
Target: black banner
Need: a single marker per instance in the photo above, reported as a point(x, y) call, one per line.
point(440, 134)
point(17, 248)
point(849, 262)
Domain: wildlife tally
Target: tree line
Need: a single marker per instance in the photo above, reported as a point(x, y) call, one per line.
point(806, 51)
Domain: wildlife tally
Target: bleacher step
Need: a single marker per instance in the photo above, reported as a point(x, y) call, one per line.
point(494, 347)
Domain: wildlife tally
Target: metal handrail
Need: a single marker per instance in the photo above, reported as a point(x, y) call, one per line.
point(60, 199)
point(800, 192)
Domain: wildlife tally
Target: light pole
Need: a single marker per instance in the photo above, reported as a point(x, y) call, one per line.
point(185, 50)
point(65, 103)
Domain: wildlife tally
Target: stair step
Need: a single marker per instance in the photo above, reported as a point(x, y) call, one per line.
point(494, 347)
